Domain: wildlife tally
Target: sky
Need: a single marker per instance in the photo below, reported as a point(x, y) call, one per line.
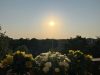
point(32, 18)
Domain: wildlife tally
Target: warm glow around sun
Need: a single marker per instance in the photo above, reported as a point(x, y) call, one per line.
point(51, 26)
point(52, 23)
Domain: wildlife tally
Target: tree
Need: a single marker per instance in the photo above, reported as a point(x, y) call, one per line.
point(77, 43)
point(4, 43)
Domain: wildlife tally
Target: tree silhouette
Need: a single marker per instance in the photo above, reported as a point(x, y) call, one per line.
point(4, 43)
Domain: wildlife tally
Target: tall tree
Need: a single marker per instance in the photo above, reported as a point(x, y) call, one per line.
point(4, 43)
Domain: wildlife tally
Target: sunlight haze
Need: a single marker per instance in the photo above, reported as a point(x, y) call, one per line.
point(42, 19)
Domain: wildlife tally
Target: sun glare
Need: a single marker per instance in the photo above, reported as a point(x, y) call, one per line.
point(51, 23)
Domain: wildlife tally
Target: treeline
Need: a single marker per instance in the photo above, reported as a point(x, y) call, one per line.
point(36, 46)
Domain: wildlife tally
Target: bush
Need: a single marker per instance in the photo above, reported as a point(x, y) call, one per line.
point(52, 63)
point(49, 63)
point(80, 63)
point(19, 62)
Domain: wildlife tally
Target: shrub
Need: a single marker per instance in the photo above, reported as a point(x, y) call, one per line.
point(51, 63)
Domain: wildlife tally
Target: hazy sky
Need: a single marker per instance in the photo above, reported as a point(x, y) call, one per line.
point(30, 18)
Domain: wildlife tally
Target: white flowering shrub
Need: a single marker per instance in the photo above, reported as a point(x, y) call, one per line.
point(49, 63)
point(52, 62)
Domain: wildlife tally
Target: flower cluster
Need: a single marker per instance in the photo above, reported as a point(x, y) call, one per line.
point(49, 63)
point(77, 54)
point(89, 57)
point(52, 61)
point(80, 62)
point(7, 61)
point(21, 58)
point(18, 62)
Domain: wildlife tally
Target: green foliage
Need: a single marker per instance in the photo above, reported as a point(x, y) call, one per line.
point(80, 62)
point(4, 43)
point(19, 62)
point(52, 62)
point(49, 63)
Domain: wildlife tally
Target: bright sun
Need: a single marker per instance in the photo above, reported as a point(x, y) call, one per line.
point(51, 23)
